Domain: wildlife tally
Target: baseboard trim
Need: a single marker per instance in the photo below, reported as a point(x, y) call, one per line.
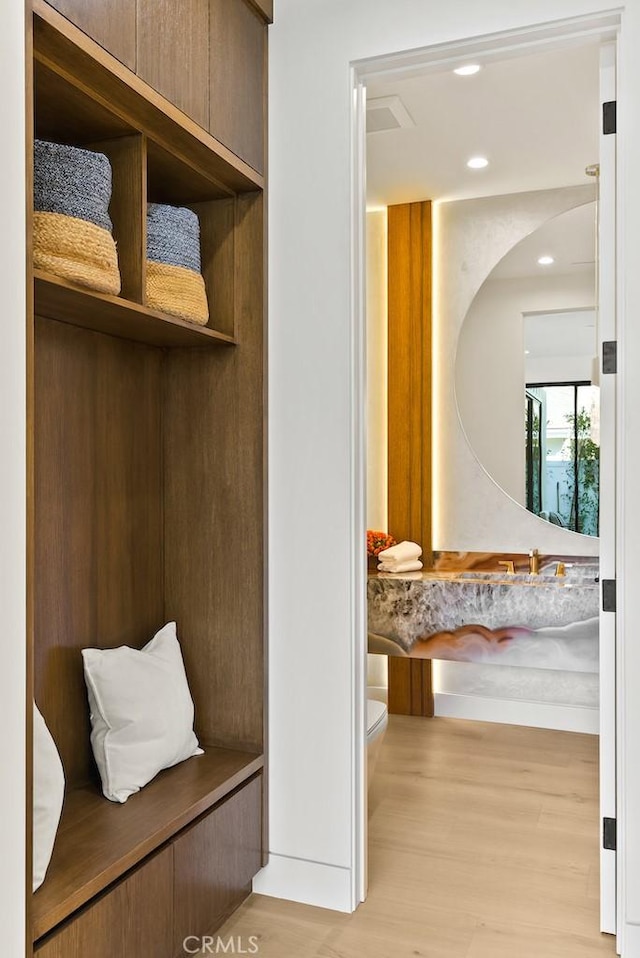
point(311, 883)
point(565, 718)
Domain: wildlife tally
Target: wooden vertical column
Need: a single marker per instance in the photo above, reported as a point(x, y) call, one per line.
point(409, 399)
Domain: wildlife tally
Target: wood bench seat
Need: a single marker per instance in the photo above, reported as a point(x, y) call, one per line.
point(98, 840)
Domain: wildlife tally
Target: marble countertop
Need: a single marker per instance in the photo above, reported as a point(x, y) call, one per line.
point(406, 609)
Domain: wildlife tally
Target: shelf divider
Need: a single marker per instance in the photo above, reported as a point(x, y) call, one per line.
point(128, 158)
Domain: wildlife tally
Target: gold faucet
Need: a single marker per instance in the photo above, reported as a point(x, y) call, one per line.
point(534, 562)
point(509, 566)
point(561, 569)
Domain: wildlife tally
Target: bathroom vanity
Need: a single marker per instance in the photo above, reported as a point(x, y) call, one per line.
point(541, 620)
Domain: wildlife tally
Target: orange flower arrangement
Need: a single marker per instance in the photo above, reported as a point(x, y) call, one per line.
point(377, 542)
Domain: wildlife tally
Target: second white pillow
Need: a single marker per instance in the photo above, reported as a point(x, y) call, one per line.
point(141, 712)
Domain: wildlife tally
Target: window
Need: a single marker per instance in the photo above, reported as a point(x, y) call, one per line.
point(562, 435)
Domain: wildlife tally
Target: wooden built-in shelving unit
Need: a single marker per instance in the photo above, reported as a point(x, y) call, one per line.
point(147, 482)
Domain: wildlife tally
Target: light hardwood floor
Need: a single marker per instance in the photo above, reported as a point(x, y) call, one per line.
point(483, 843)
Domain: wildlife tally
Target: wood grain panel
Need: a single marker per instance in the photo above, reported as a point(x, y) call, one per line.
point(30, 466)
point(214, 514)
point(409, 417)
point(98, 841)
point(98, 550)
point(134, 918)
point(399, 701)
point(409, 338)
point(111, 23)
point(238, 48)
point(216, 860)
point(410, 687)
point(128, 158)
point(91, 74)
point(173, 53)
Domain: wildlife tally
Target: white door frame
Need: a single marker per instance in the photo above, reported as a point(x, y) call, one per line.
point(604, 27)
point(607, 308)
point(358, 487)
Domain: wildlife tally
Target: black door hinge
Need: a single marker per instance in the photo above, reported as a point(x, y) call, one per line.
point(610, 357)
point(609, 834)
point(609, 119)
point(608, 595)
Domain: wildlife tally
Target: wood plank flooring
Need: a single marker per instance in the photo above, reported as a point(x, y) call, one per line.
point(483, 843)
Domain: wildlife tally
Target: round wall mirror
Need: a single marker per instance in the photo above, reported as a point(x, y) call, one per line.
point(527, 373)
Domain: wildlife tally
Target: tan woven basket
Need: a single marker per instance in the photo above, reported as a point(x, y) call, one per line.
point(76, 250)
point(177, 291)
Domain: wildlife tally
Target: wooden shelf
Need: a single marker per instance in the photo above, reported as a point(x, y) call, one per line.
point(55, 298)
point(86, 72)
point(98, 841)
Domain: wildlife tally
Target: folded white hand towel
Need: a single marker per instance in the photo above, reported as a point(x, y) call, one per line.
point(413, 565)
point(403, 552)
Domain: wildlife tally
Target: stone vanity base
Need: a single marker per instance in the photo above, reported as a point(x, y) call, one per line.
point(466, 615)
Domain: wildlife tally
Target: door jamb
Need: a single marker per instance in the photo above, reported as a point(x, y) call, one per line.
point(559, 34)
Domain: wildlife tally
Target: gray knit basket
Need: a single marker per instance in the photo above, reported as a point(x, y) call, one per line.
point(72, 181)
point(173, 236)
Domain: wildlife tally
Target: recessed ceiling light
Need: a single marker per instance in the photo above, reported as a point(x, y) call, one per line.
point(527, 351)
point(545, 260)
point(468, 69)
point(477, 162)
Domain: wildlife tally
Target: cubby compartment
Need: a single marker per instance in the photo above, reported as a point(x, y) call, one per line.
point(63, 113)
point(172, 181)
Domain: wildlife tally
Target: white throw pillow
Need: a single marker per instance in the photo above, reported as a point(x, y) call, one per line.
point(48, 796)
point(141, 712)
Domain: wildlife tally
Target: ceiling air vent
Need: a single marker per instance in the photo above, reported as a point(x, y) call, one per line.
point(387, 113)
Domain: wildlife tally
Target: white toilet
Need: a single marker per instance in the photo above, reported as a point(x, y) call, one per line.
point(377, 721)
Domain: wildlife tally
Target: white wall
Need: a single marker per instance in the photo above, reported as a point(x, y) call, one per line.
point(490, 368)
point(471, 511)
point(376, 335)
point(559, 369)
point(377, 358)
point(313, 43)
point(12, 480)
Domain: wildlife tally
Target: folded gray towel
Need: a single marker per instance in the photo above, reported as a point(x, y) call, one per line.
point(72, 181)
point(173, 236)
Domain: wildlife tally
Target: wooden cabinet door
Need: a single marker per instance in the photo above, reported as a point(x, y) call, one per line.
point(111, 23)
point(214, 862)
point(134, 918)
point(238, 49)
point(173, 53)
